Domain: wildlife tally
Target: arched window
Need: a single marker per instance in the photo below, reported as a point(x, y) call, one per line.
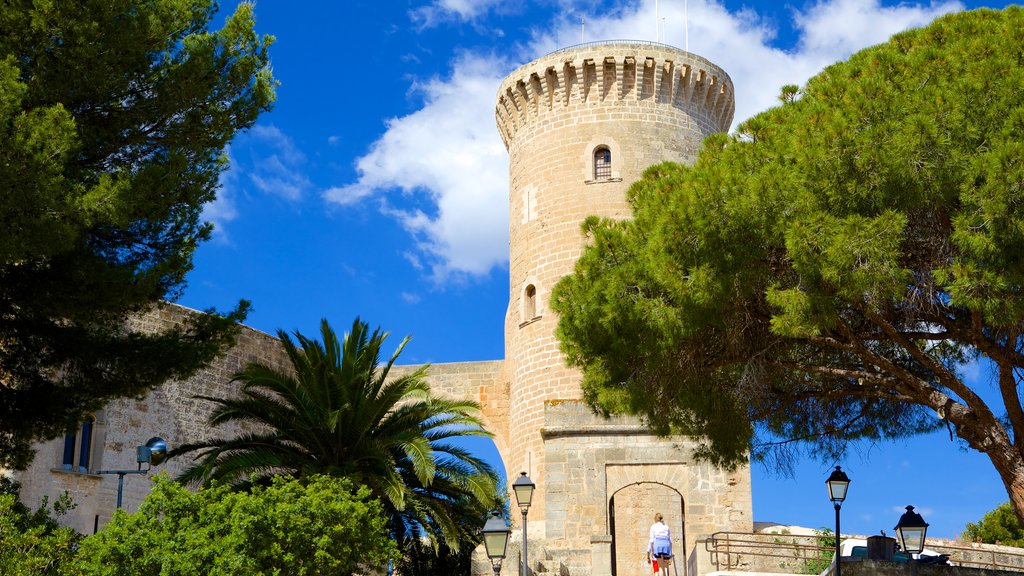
point(530, 303)
point(78, 448)
point(602, 163)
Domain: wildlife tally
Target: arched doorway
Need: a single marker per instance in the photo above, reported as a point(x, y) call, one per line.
point(631, 511)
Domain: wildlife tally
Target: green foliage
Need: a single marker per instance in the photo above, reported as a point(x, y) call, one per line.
point(825, 553)
point(823, 275)
point(114, 118)
point(338, 412)
point(310, 527)
point(998, 526)
point(31, 542)
point(419, 558)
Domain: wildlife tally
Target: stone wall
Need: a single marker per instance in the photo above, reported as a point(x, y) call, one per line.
point(883, 568)
point(599, 481)
point(171, 411)
point(483, 382)
point(644, 103)
point(609, 476)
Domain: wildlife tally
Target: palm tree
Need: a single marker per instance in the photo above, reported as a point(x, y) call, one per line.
point(336, 412)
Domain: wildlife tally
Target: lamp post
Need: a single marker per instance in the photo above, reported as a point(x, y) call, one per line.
point(523, 487)
point(496, 540)
point(152, 453)
point(911, 531)
point(837, 483)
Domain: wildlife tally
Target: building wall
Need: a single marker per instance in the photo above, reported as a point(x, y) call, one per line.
point(598, 480)
point(483, 382)
point(170, 412)
point(173, 413)
point(645, 103)
point(609, 476)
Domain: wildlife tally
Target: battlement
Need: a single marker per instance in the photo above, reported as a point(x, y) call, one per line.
point(617, 71)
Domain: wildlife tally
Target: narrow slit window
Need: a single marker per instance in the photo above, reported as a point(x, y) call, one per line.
point(602, 163)
point(86, 448)
point(68, 463)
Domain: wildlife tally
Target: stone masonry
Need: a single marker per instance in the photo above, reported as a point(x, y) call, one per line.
point(598, 480)
point(580, 125)
point(173, 412)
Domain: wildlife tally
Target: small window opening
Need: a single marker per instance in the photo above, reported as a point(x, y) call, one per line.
point(69, 451)
point(530, 305)
point(86, 446)
point(602, 163)
point(80, 444)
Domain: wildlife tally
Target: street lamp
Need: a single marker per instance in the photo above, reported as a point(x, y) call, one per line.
point(911, 531)
point(496, 540)
point(152, 453)
point(837, 483)
point(523, 487)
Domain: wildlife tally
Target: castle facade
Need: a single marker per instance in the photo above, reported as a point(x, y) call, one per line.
point(580, 125)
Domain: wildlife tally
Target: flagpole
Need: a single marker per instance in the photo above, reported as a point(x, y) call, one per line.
point(686, 25)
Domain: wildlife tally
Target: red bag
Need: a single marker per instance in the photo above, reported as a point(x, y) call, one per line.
point(654, 564)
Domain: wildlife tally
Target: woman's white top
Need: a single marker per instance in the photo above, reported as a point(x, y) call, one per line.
point(659, 531)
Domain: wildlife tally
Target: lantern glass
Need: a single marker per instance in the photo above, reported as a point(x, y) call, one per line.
point(495, 537)
point(523, 487)
point(837, 483)
point(911, 531)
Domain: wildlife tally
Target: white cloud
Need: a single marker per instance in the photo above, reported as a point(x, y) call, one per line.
point(442, 10)
point(977, 372)
point(263, 159)
point(900, 510)
point(740, 42)
point(223, 209)
point(845, 26)
point(447, 156)
point(276, 165)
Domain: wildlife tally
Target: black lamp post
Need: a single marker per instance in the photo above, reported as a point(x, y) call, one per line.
point(523, 487)
point(911, 531)
point(496, 540)
point(152, 453)
point(837, 483)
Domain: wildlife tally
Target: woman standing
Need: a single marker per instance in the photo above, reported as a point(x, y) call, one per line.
point(659, 546)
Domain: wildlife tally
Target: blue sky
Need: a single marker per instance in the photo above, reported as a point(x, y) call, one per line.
point(377, 187)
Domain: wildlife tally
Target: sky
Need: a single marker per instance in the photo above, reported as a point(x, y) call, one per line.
point(377, 188)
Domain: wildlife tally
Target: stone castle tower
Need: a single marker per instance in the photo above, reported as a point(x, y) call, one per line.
point(581, 124)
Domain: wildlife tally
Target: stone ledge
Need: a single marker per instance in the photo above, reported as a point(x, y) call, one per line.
point(613, 430)
point(76, 473)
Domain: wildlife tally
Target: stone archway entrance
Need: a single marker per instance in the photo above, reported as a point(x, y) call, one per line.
point(631, 511)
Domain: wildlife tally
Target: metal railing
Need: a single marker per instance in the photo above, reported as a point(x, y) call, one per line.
point(778, 553)
point(795, 554)
point(606, 42)
point(981, 556)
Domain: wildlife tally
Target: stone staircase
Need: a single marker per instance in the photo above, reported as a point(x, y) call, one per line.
point(542, 562)
point(561, 562)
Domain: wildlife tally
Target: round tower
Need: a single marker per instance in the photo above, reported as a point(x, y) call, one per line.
point(581, 124)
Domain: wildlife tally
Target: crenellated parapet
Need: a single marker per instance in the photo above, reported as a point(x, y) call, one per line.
point(623, 72)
